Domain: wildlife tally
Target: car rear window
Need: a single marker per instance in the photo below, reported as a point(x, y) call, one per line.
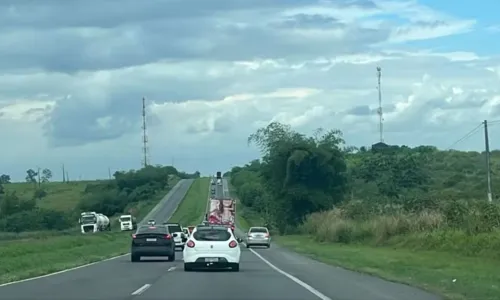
point(174, 228)
point(212, 235)
point(258, 230)
point(152, 229)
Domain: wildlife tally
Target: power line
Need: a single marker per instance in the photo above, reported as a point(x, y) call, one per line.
point(466, 136)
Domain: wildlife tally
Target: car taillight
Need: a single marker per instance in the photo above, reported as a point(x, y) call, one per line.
point(233, 244)
point(134, 236)
point(167, 237)
point(232, 228)
point(190, 244)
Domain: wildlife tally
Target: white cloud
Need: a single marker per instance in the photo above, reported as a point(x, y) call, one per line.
point(71, 84)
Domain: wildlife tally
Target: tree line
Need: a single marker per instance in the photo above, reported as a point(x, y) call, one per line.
point(118, 195)
point(299, 176)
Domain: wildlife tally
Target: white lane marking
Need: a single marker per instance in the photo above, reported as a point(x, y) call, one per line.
point(141, 290)
point(63, 271)
point(171, 269)
point(291, 277)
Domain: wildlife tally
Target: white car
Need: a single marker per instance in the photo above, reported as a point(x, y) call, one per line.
point(212, 247)
point(175, 230)
point(186, 232)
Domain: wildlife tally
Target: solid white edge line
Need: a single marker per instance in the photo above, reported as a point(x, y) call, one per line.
point(141, 289)
point(63, 271)
point(291, 277)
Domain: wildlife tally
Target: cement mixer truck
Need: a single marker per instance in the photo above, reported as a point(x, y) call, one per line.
point(91, 222)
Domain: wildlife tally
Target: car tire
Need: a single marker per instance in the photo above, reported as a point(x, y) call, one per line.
point(268, 246)
point(235, 268)
point(248, 246)
point(135, 258)
point(187, 268)
point(171, 257)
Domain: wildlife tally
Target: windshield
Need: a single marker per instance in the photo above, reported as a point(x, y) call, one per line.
point(89, 219)
point(125, 219)
point(174, 228)
point(212, 235)
point(152, 229)
point(258, 230)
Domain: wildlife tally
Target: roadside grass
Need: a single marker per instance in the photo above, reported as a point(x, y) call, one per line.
point(454, 276)
point(192, 208)
point(60, 196)
point(49, 252)
point(451, 263)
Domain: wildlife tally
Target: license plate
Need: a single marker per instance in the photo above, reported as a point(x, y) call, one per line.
point(150, 240)
point(211, 259)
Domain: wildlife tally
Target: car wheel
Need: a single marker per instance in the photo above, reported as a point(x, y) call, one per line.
point(235, 268)
point(135, 258)
point(248, 246)
point(171, 257)
point(268, 246)
point(187, 268)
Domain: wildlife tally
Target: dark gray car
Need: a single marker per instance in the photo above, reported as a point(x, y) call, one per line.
point(152, 241)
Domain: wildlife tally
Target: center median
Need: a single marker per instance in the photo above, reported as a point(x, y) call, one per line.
point(30, 258)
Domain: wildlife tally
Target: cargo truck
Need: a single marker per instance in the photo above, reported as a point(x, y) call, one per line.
point(222, 212)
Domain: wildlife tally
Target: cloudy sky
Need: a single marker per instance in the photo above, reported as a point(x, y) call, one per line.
point(72, 75)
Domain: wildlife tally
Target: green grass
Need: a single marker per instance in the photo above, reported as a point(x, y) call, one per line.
point(38, 257)
point(60, 196)
point(476, 278)
point(46, 252)
point(192, 208)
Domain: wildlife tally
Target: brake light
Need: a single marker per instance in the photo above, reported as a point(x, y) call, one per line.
point(190, 244)
point(167, 237)
point(232, 228)
point(233, 244)
point(134, 236)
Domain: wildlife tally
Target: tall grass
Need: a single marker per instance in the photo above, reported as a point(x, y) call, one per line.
point(466, 228)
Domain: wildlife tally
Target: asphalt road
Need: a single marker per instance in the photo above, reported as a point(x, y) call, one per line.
point(273, 273)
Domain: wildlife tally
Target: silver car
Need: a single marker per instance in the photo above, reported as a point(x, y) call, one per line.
point(258, 236)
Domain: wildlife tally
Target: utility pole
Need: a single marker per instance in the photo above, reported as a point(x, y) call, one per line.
point(109, 173)
point(38, 173)
point(64, 173)
point(379, 111)
point(67, 177)
point(145, 161)
point(488, 163)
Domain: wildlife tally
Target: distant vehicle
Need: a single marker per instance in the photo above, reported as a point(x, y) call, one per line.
point(212, 247)
point(191, 228)
point(212, 182)
point(179, 237)
point(151, 222)
point(152, 241)
point(213, 191)
point(186, 232)
point(218, 175)
point(219, 181)
point(127, 222)
point(91, 222)
point(258, 236)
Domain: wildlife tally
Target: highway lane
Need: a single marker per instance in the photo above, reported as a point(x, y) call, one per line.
point(334, 282)
point(112, 279)
point(290, 276)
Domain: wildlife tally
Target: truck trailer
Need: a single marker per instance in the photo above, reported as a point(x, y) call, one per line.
point(91, 222)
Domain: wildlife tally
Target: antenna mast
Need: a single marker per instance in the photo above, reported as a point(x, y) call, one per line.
point(145, 148)
point(379, 111)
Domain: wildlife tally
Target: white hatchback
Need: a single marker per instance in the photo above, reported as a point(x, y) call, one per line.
point(212, 247)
